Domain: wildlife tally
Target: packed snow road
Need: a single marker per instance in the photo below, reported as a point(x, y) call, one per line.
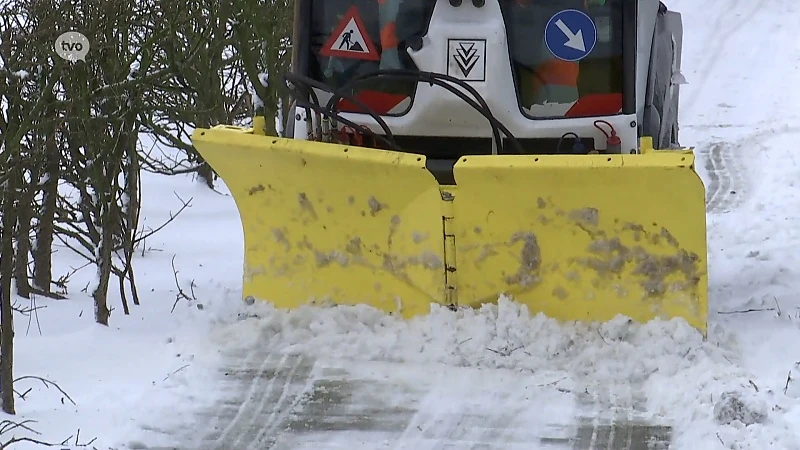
point(301, 404)
point(517, 382)
point(497, 378)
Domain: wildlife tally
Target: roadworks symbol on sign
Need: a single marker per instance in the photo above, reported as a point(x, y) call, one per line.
point(350, 39)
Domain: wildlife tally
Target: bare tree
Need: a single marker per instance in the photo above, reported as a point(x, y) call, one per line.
point(70, 156)
point(105, 98)
point(262, 39)
point(233, 46)
point(21, 88)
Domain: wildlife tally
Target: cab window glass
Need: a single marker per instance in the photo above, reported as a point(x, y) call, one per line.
point(350, 38)
point(561, 66)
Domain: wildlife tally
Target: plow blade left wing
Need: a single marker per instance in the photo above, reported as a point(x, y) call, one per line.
point(326, 223)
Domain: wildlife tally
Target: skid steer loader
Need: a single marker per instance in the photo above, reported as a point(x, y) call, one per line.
point(452, 152)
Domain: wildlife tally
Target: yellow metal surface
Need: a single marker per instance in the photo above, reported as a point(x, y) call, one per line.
point(646, 145)
point(325, 223)
point(584, 238)
point(259, 125)
point(574, 237)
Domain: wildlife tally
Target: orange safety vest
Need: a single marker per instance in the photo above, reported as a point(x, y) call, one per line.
point(554, 73)
point(387, 12)
point(555, 80)
point(549, 79)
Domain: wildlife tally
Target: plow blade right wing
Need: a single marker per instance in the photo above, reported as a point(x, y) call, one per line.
point(584, 238)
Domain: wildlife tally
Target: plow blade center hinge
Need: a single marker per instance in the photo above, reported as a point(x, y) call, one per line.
point(448, 229)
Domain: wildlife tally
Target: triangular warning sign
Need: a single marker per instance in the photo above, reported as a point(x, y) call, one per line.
point(350, 39)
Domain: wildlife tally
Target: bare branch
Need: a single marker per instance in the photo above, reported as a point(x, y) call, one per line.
point(47, 383)
point(172, 216)
point(180, 294)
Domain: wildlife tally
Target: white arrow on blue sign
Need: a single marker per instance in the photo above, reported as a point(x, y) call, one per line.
point(570, 35)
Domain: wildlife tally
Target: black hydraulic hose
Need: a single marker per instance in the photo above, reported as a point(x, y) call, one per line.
point(321, 110)
point(360, 128)
point(301, 91)
point(306, 88)
point(434, 78)
point(422, 76)
point(339, 93)
point(416, 76)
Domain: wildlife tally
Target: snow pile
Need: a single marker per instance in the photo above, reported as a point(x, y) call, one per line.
point(691, 383)
point(732, 407)
point(104, 382)
point(146, 374)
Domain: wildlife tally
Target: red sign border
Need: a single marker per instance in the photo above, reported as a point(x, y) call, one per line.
point(328, 50)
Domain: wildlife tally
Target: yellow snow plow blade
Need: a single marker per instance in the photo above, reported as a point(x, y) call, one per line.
point(575, 237)
point(584, 238)
point(325, 223)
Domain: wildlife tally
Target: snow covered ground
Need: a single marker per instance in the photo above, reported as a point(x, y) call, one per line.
point(494, 376)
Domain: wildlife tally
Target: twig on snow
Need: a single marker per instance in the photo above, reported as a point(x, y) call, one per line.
point(77, 437)
point(16, 440)
point(63, 280)
point(746, 311)
point(601, 336)
point(22, 395)
point(788, 380)
point(47, 383)
point(176, 371)
point(504, 351)
point(9, 425)
point(553, 383)
point(181, 294)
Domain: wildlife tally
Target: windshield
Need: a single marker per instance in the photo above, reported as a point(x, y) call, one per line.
point(566, 55)
point(350, 38)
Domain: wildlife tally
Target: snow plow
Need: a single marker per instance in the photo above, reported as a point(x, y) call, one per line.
point(452, 152)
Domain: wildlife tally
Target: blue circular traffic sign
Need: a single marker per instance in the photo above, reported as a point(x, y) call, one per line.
point(570, 35)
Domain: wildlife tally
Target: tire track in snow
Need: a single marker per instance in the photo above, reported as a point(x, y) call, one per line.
point(246, 402)
point(290, 401)
point(727, 186)
point(291, 398)
point(260, 387)
point(246, 424)
point(234, 383)
point(246, 361)
point(728, 182)
point(432, 428)
point(615, 420)
point(727, 22)
point(609, 418)
point(730, 177)
point(276, 386)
